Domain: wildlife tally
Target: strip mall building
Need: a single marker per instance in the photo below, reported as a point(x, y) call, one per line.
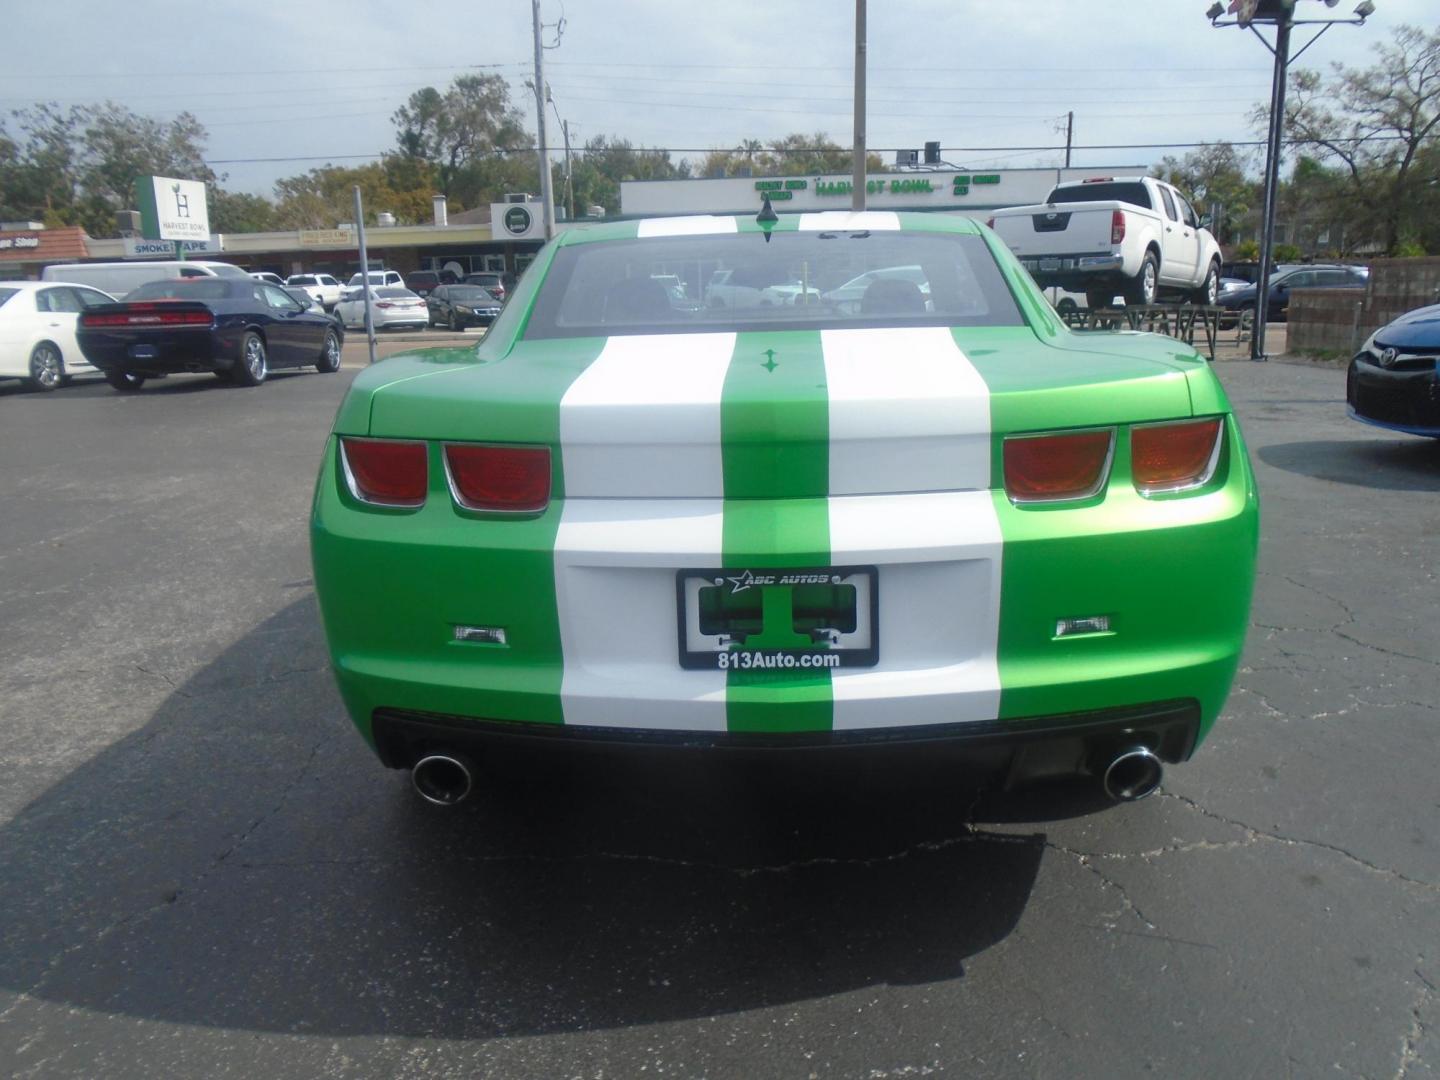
point(505, 238)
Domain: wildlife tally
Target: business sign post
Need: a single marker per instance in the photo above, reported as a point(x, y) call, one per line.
point(172, 209)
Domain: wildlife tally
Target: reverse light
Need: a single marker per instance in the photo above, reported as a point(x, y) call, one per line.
point(1174, 457)
point(1117, 226)
point(1050, 468)
point(500, 479)
point(385, 472)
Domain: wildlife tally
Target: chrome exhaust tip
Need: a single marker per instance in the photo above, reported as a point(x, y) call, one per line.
point(443, 779)
point(1132, 774)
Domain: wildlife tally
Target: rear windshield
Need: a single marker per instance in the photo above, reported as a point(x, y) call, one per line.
point(5, 294)
point(483, 279)
point(206, 288)
point(394, 293)
point(472, 294)
point(1127, 191)
point(303, 279)
point(799, 280)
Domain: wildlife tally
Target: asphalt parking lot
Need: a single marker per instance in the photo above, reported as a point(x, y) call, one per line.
point(203, 872)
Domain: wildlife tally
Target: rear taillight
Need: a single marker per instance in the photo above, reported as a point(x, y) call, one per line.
point(1174, 457)
point(148, 315)
point(386, 472)
point(504, 479)
point(384, 304)
point(1066, 465)
point(1117, 226)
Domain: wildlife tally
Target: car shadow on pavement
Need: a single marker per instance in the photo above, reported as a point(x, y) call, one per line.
point(243, 862)
point(1399, 463)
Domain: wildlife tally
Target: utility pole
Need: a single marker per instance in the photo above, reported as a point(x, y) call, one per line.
point(365, 274)
point(1069, 135)
point(857, 179)
point(547, 194)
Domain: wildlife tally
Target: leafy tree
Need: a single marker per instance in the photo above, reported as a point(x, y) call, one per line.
point(324, 197)
point(1378, 125)
point(598, 168)
point(78, 166)
point(1215, 174)
point(796, 154)
point(456, 130)
point(240, 212)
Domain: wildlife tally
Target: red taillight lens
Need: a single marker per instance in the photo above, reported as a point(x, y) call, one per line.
point(1117, 226)
point(1173, 457)
point(147, 315)
point(510, 479)
point(384, 304)
point(1044, 468)
point(385, 471)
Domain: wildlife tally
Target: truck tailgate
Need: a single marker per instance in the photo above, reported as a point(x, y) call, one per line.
point(1062, 229)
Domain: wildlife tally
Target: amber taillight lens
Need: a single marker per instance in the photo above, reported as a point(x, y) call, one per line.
point(503, 479)
point(386, 472)
point(1174, 457)
point(1065, 465)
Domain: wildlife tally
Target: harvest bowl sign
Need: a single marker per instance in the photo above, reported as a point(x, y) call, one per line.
point(172, 209)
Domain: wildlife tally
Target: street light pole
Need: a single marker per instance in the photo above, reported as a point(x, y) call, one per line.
point(1272, 180)
point(1279, 13)
point(547, 194)
point(857, 174)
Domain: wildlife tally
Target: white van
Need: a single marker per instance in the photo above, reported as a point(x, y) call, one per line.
point(119, 278)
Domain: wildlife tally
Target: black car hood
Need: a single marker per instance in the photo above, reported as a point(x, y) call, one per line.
point(1415, 329)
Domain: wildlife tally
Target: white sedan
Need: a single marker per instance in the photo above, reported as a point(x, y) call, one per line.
point(37, 330)
point(391, 307)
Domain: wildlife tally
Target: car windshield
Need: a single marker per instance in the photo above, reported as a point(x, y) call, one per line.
point(471, 294)
point(6, 294)
point(1126, 191)
point(182, 289)
point(606, 288)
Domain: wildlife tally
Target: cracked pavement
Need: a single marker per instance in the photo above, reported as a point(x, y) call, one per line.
point(203, 871)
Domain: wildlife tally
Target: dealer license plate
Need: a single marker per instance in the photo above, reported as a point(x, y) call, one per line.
point(1049, 264)
point(754, 619)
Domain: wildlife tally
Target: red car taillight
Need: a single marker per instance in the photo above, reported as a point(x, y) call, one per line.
point(146, 315)
point(1117, 226)
point(384, 304)
point(386, 472)
point(507, 479)
point(1066, 465)
point(1174, 457)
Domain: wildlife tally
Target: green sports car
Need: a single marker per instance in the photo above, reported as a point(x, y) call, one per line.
point(770, 520)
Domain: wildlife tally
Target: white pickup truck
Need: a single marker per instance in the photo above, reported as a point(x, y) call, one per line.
point(1133, 235)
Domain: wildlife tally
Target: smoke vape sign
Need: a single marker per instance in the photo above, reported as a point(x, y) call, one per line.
point(172, 209)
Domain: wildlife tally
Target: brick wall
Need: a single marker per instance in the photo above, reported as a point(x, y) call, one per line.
point(1338, 320)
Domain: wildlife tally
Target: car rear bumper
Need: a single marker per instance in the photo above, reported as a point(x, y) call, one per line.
point(162, 353)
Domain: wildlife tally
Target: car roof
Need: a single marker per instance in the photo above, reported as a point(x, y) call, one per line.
point(32, 286)
point(820, 220)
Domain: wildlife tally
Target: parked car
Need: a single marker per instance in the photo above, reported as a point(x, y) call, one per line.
point(390, 307)
point(118, 279)
point(1133, 235)
point(489, 279)
point(321, 287)
point(787, 526)
point(1394, 380)
point(1303, 277)
point(459, 306)
point(847, 297)
point(377, 278)
point(267, 277)
point(37, 330)
point(238, 329)
point(422, 282)
point(305, 300)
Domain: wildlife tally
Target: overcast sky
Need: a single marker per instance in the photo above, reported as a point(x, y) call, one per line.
point(317, 82)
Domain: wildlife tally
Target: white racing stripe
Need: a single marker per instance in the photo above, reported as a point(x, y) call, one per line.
point(644, 483)
point(850, 220)
point(690, 225)
point(908, 412)
point(615, 566)
point(939, 591)
point(643, 420)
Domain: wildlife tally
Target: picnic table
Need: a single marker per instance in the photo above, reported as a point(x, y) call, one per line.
point(1180, 321)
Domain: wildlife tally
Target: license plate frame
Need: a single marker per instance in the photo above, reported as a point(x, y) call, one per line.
point(857, 648)
point(1049, 264)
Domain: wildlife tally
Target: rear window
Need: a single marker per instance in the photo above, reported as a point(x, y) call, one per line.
point(206, 288)
point(302, 279)
point(6, 294)
point(392, 293)
point(796, 281)
point(1127, 191)
point(471, 294)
